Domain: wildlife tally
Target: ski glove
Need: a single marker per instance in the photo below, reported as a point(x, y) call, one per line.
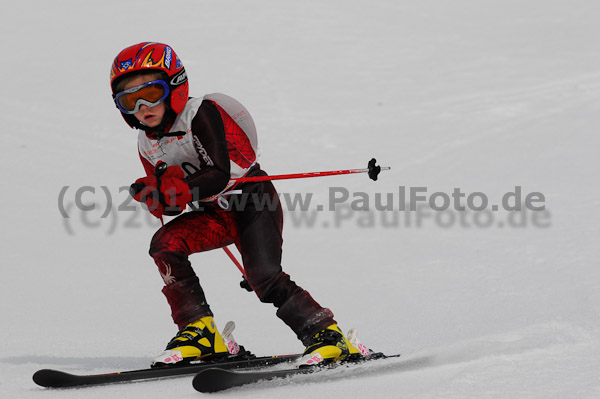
point(167, 193)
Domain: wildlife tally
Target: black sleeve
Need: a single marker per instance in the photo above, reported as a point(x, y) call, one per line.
point(211, 145)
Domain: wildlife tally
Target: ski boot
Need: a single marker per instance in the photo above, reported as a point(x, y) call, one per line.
point(330, 346)
point(196, 341)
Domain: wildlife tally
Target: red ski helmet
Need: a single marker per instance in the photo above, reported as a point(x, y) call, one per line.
point(152, 56)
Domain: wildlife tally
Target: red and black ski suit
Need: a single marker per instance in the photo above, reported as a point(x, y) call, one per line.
point(255, 229)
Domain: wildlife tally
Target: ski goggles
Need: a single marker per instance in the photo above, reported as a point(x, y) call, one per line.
point(150, 94)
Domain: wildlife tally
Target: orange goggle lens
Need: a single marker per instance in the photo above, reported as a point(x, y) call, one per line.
point(150, 93)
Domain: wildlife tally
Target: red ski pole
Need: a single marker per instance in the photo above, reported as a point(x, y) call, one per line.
point(235, 261)
point(373, 170)
point(244, 283)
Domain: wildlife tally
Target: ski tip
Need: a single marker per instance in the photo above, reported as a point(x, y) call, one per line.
point(379, 355)
point(217, 377)
point(51, 378)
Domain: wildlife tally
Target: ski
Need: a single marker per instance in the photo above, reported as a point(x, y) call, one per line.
point(59, 379)
point(216, 378)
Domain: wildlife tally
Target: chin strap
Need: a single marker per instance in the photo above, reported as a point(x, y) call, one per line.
point(160, 135)
point(162, 129)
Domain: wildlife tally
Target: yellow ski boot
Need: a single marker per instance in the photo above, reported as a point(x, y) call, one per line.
point(197, 340)
point(330, 346)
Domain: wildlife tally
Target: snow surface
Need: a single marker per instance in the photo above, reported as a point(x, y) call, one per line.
point(483, 95)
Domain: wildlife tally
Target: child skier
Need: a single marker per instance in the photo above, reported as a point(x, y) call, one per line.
point(203, 144)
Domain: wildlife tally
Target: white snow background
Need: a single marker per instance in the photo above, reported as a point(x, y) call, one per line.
point(481, 95)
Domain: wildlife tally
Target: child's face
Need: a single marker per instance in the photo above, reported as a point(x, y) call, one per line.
point(149, 116)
